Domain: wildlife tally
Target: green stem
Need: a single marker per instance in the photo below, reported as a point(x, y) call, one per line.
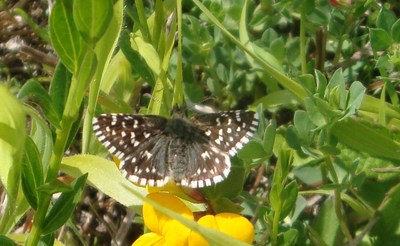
point(275, 226)
point(178, 86)
point(45, 198)
point(87, 121)
point(143, 21)
point(303, 39)
point(338, 201)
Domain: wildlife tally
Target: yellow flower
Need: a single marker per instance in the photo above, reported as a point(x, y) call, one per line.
point(167, 231)
point(231, 224)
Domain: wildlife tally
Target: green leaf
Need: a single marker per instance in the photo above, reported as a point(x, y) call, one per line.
point(292, 138)
point(32, 173)
point(395, 31)
point(34, 90)
point(105, 176)
point(5, 241)
point(138, 63)
point(12, 138)
point(64, 206)
point(92, 18)
point(363, 137)
point(225, 205)
point(336, 93)
point(304, 127)
point(316, 117)
point(252, 150)
point(41, 135)
point(308, 82)
point(380, 39)
point(386, 19)
point(64, 36)
point(355, 98)
point(59, 87)
point(231, 187)
point(276, 99)
point(289, 198)
point(321, 82)
point(274, 199)
point(54, 186)
point(327, 224)
point(269, 138)
point(288, 237)
point(48, 240)
point(387, 226)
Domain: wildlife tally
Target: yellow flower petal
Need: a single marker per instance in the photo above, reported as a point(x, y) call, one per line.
point(155, 220)
point(194, 238)
point(235, 226)
point(150, 238)
point(175, 233)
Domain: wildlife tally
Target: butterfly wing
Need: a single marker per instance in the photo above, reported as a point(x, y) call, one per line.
point(207, 165)
point(138, 142)
point(196, 154)
point(228, 131)
point(207, 162)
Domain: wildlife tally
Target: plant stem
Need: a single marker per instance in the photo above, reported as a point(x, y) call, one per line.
point(303, 38)
point(338, 201)
point(45, 198)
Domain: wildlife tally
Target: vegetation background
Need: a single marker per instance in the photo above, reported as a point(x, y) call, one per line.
point(323, 168)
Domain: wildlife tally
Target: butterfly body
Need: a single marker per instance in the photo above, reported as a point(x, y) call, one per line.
point(154, 150)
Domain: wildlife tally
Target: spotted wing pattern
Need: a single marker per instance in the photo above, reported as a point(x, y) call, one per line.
point(154, 150)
